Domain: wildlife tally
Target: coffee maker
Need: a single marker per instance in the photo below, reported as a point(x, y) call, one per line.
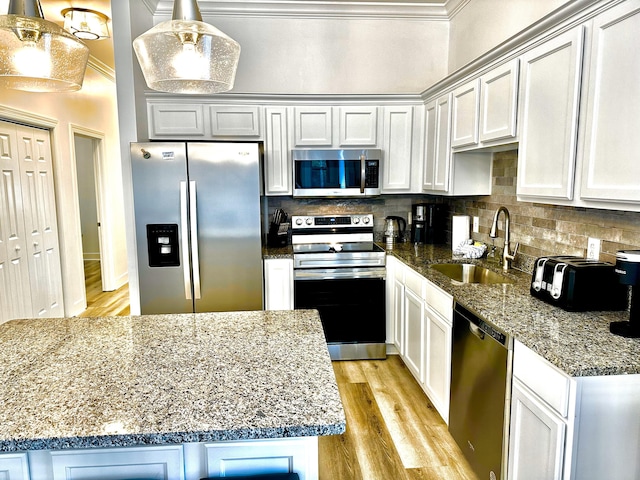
point(628, 270)
point(428, 224)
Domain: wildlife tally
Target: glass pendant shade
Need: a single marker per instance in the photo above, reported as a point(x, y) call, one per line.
point(37, 55)
point(86, 24)
point(186, 55)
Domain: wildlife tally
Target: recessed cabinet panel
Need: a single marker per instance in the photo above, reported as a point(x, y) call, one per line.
point(398, 136)
point(278, 170)
point(498, 102)
point(430, 146)
point(278, 284)
point(549, 92)
point(611, 170)
point(443, 144)
point(465, 113)
point(358, 126)
point(235, 121)
point(14, 466)
point(313, 126)
point(176, 120)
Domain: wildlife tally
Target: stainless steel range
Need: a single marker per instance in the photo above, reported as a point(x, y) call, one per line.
point(340, 271)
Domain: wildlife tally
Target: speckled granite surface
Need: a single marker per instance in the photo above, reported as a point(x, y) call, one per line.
point(579, 343)
point(122, 381)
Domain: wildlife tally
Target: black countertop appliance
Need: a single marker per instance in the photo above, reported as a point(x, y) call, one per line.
point(428, 225)
point(628, 270)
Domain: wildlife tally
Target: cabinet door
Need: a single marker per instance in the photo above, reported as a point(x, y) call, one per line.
point(278, 284)
point(234, 121)
point(611, 170)
point(465, 110)
point(398, 302)
point(549, 98)
point(536, 440)
point(443, 146)
point(278, 170)
point(39, 207)
point(397, 146)
point(414, 333)
point(14, 265)
point(431, 127)
point(14, 466)
point(184, 120)
point(437, 374)
point(313, 126)
point(498, 102)
point(358, 126)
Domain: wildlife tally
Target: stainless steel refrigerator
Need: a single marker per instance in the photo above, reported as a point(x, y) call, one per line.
point(197, 213)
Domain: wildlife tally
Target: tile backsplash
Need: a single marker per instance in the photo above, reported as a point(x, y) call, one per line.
point(545, 229)
point(541, 229)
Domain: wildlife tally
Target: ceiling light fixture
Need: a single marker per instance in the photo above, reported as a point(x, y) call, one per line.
point(86, 24)
point(186, 55)
point(37, 55)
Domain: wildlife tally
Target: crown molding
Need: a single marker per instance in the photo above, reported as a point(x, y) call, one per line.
point(316, 9)
point(102, 68)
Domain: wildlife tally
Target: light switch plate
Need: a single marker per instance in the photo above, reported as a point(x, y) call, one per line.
point(593, 248)
point(476, 224)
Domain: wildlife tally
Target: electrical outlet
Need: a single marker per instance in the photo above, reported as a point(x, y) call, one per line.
point(593, 248)
point(476, 224)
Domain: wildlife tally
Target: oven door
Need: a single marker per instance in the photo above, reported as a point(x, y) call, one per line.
point(351, 303)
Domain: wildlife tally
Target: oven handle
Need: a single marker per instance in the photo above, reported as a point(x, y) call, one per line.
point(338, 273)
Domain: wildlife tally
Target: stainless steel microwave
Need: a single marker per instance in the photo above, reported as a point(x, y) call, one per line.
point(336, 172)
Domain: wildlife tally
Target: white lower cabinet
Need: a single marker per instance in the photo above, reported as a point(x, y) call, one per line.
point(278, 284)
point(421, 318)
point(14, 466)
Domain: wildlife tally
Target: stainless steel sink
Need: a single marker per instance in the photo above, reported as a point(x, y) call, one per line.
point(470, 273)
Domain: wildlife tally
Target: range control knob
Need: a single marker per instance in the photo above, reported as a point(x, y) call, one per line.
point(298, 221)
point(365, 220)
point(356, 220)
point(309, 221)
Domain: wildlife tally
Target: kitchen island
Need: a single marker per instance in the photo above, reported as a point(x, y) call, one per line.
point(190, 395)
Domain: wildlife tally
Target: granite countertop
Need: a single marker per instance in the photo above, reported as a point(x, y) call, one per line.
point(579, 343)
point(158, 379)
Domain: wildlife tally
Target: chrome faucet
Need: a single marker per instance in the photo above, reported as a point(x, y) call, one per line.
point(507, 257)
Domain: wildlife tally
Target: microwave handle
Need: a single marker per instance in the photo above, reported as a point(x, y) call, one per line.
point(363, 172)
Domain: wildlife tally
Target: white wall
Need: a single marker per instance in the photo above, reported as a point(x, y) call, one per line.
point(87, 196)
point(484, 24)
point(94, 108)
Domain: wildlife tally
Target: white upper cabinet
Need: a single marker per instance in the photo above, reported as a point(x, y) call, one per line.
point(234, 121)
point(548, 116)
point(611, 135)
point(499, 103)
point(358, 126)
point(176, 121)
point(278, 170)
point(438, 155)
point(313, 127)
point(430, 123)
point(398, 149)
point(465, 113)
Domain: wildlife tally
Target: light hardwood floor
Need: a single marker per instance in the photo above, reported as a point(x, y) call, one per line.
point(393, 430)
point(99, 303)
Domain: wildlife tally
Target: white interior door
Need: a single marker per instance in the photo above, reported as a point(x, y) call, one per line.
point(36, 175)
point(14, 268)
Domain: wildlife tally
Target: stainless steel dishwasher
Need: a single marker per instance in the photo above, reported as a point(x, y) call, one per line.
point(480, 393)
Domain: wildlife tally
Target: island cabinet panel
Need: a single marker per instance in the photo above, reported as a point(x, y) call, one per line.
point(252, 457)
point(610, 168)
point(548, 111)
point(230, 121)
point(14, 466)
point(177, 121)
point(278, 171)
point(157, 462)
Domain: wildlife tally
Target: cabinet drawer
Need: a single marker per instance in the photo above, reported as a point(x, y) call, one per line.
point(414, 281)
point(549, 383)
point(439, 301)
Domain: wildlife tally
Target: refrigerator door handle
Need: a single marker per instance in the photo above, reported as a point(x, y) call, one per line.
point(193, 217)
point(184, 227)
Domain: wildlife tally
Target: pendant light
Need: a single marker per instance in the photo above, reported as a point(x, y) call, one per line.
point(86, 24)
point(186, 55)
point(37, 55)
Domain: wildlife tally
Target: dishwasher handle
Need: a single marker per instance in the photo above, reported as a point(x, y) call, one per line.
point(476, 330)
point(478, 325)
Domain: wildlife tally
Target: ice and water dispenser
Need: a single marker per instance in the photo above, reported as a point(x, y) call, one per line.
point(162, 245)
